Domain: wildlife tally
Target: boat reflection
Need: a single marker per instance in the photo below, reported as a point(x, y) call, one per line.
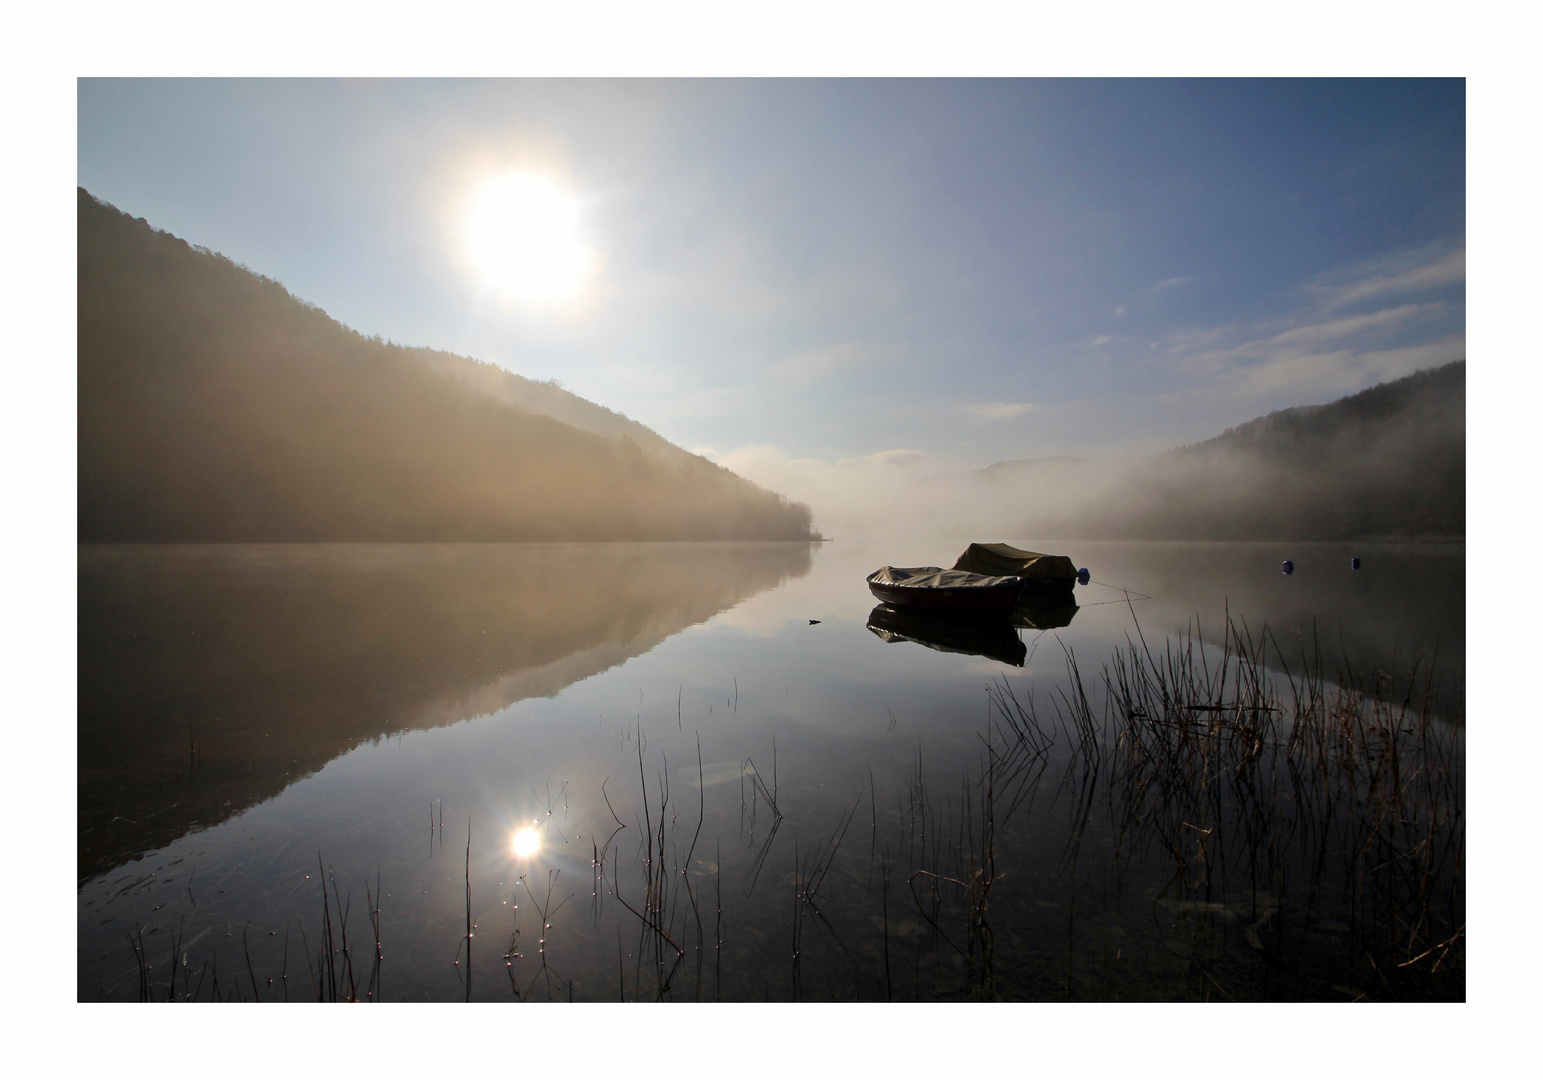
point(211, 677)
point(995, 639)
point(1044, 610)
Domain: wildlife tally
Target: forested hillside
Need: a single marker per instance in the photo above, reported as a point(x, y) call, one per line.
point(215, 406)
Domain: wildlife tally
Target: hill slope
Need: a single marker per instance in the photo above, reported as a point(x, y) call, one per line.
point(1388, 462)
point(214, 406)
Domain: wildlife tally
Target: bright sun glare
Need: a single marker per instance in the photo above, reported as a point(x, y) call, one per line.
point(526, 843)
point(523, 234)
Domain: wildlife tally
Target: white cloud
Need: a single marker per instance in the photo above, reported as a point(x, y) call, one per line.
point(1349, 326)
point(1297, 341)
point(1398, 273)
point(1335, 373)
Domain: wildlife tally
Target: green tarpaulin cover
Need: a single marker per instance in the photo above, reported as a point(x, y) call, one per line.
point(1004, 560)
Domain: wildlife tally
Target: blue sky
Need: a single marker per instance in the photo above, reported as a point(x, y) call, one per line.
point(814, 280)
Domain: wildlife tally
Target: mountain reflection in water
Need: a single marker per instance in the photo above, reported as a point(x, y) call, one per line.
point(211, 677)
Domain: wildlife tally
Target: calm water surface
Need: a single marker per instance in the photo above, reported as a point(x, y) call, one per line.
point(739, 789)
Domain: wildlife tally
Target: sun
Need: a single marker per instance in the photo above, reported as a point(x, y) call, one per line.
point(523, 233)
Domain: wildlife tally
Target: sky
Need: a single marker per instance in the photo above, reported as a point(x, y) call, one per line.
point(822, 283)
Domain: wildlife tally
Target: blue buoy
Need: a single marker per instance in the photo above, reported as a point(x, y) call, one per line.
point(1083, 577)
point(1286, 567)
point(1355, 563)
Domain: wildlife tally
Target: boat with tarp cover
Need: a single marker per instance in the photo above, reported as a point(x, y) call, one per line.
point(988, 580)
point(1038, 572)
point(956, 593)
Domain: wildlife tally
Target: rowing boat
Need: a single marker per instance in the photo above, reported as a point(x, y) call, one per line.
point(957, 593)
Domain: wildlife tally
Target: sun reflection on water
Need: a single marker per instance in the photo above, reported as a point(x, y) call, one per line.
point(526, 843)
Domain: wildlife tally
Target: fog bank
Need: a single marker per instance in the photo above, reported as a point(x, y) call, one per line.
point(1388, 463)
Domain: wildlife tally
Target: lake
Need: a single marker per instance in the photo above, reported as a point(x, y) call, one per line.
point(717, 771)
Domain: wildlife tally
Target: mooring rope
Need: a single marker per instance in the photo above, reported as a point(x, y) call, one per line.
point(1128, 595)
